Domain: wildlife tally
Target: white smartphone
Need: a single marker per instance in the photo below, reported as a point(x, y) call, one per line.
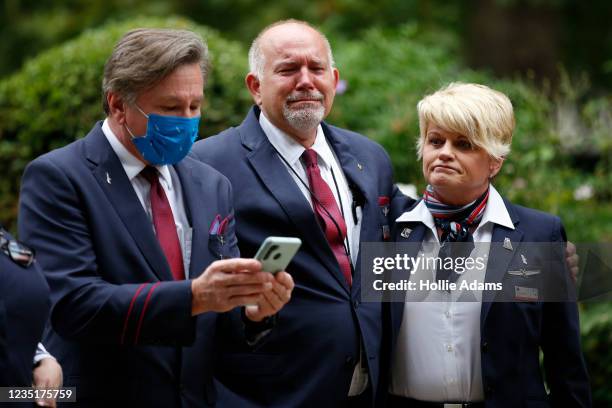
point(275, 253)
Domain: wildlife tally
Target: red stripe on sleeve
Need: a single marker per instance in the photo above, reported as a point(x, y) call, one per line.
point(129, 312)
point(144, 310)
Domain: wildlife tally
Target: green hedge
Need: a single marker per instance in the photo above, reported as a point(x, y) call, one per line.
point(56, 98)
point(596, 327)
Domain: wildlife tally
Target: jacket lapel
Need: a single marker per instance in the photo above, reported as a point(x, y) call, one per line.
point(111, 177)
point(275, 176)
point(500, 255)
point(410, 232)
point(405, 233)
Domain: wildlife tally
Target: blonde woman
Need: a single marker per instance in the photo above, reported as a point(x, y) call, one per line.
point(481, 352)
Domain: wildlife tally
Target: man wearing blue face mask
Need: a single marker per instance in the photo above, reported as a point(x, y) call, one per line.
point(168, 138)
point(133, 237)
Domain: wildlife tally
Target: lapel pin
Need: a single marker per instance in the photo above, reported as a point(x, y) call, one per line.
point(108, 178)
point(507, 244)
point(524, 259)
point(360, 166)
point(406, 232)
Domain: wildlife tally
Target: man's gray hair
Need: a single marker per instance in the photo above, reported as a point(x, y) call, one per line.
point(145, 56)
point(257, 60)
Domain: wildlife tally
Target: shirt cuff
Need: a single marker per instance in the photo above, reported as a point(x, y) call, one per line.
point(41, 354)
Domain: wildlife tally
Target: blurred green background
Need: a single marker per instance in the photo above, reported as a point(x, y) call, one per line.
point(552, 57)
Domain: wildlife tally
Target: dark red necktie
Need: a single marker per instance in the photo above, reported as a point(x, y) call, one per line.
point(163, 220)
point(326, 208)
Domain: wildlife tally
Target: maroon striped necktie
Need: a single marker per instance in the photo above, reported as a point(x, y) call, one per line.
point(163, 220)
point(326, 208)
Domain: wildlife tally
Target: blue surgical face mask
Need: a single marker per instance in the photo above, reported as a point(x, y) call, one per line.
point(168, 138)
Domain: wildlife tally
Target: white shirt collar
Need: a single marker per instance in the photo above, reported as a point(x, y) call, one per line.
point(131, 164)
point(290, 149)
point(495, 212)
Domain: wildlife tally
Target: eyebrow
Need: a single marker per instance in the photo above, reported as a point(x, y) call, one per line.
point(284, 63)
point(316, 60)
point(292, 61)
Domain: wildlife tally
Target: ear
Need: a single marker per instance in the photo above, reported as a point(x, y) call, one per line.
point(495, 166)
point(254, 87)
point(116, 107)
point(336, 75)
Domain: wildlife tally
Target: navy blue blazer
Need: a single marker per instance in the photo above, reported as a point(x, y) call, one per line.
point(513, 333)
point(123, 329)
point(24, 307)
point(308, 359)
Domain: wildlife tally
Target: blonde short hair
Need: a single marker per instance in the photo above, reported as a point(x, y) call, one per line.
point(481, 114)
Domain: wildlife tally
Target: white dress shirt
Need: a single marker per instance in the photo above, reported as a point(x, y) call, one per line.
point(41, 353)
point(169, 181)
point(331, 172)
point(289, 149)
point(437, 357)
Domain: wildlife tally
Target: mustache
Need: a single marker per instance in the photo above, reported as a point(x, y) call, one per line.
point(317, 96)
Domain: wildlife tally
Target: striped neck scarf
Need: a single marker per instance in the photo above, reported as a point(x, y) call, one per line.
point(454, 220)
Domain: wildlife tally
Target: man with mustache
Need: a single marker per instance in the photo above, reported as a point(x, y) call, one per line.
point(295, 175)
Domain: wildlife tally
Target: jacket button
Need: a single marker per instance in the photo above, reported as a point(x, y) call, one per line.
point(350, 361)
point(488, 390)
point(356, 304)
point(484, 347)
